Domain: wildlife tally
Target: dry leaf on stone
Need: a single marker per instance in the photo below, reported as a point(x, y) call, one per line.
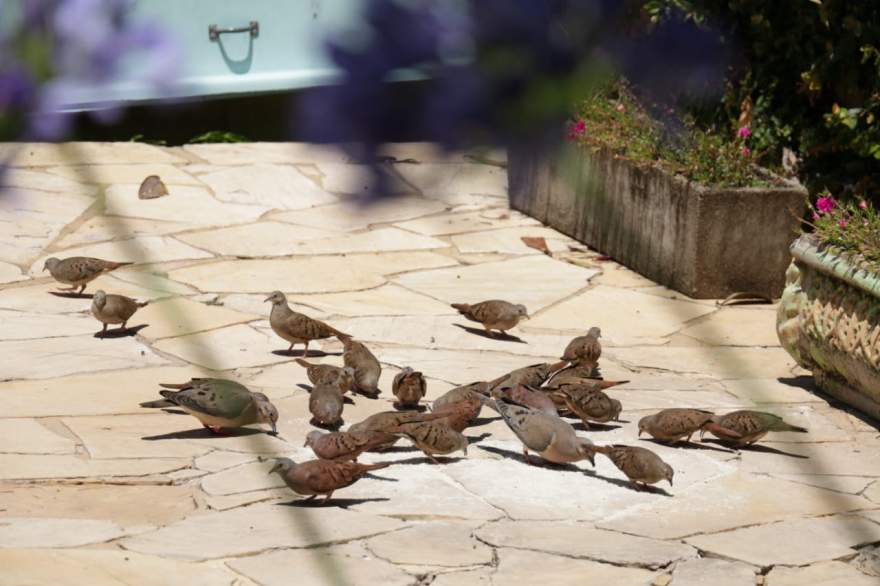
point(538, 243)
point(151, 188)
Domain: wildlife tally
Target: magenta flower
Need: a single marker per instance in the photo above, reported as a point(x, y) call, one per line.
point(746, 151)
point(577, 129)
point(863, 205)
point(842, 223)
point(744, 132)
point(825, 204)
point(815, 216)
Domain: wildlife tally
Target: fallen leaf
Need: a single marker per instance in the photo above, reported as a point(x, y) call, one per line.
point(536, 242)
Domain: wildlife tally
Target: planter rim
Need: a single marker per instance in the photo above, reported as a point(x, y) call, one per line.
point(788, 185)
point(808, 250)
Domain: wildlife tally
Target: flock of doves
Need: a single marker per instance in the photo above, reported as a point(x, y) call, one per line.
point(534, 401)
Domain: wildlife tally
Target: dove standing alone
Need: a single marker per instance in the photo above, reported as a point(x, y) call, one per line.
point(527, 397)
point(494, 314)
point(588, 404)
point(640, 465)
point(673, 425)
point(297, 328)
point(114, 309)
point(344, 445)
point(78, 271)
point(325, 405)
point(548, 435)
point(321, 476)
point(366, 367)
point(327, 374)
point(409, 387)
point(218, 403)
point(752, 425)
point(434, 438)
point(584, 350)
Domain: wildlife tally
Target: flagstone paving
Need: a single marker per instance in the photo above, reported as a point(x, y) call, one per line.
point(96, 490)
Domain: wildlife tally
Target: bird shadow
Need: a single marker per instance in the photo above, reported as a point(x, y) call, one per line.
point(416, 408)
point(535, 460)
point(71, 295)
point(761, 449)
point(690, 445)
point(202, 433)
point(301, 354)
point(120, 333)
point(504, 337)
point(426, 460)
point(594, 426)
point(477, 438)
point(480, 421)
point(341, 503)
point(397, 450)
point(382, 478)
point(626, 484)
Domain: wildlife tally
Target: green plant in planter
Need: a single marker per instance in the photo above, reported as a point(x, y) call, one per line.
point(613, 118)
point(850, 227)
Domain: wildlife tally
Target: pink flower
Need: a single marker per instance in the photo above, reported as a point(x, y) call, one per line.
point(620, 107)
point(577, 129)
point(746, 152)
point(744, 132)
point(825, 204)
point(842, 223)
point(815, 216)
point(863, 205)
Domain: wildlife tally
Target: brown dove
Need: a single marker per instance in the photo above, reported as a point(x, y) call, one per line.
point(752, 425)
point(527, 397)
point(494, 314)
point(114, 309)
point(78, 271)
point(218, 403)
point(461, 414)
point(325, 405)
point(673, 425)
point(584, 350)
point(316, 477)
point(318, 374)
point(459, 394)
point(433, 438)
point(548, 435)
point(344, 445)
point(581, 375)
point(640, 465)
point(385, 420)
point(152, 187)
point(588, 404)
point(297, 328)
point(409, 387)
point(531, 376)
point(366, 367)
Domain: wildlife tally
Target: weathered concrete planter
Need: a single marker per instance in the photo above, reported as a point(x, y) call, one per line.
point(702, 241)
point(829, 321)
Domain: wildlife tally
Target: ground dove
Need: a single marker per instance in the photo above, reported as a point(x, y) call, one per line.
point(588, 404)
point(297, 328)
point(409, 387)
point(459, 394)
point(531, 376)
point(584, 350)
point(218, 403)
point(325, 405)
point(114, 309)
point(673, 425)
point(581, 375)
point(344, 445)
point(366, 367)
point(433, 438)
point(152, 187)
point(494, 314)
point(548, 435)
point(752, 425)
point(460, 414)
point(77, 271)
point(640, 465)
point(342, 377)
point(385, 420)
point(321, 476)
point(527, 397)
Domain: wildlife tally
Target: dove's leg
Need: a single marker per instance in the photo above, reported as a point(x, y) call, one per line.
point(81, 289)
point(306, 350)
point(122, 327)
point(104, 330)
point(311, 498)
point(526, 454)
point(327, 498)
point(636, 485)
point(290, 349)
point(433, 459)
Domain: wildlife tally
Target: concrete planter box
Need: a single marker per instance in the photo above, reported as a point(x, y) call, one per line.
point(829, 321)
point(702, 241)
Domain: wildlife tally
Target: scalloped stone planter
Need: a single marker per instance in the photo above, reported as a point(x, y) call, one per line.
point(829, 321)
point(702, 241)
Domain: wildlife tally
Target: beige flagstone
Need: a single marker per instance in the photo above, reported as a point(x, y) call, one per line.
point(36, 154)
point(345, 217)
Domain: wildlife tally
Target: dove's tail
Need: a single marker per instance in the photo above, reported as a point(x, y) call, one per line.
point(376, 466)
point(462, 308)
point(143, 304)
point(303, 363)
point(719, 431)
point(112, 266)
point(607, 384)
point(185, 385)
point(158, 404)
point(342, 336)
point(783, 426)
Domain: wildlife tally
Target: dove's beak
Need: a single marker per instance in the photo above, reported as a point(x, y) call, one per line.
point(592, 459)
point(275, 468)
point(274, 429)
point(640, 432)
point(269, 298)
point(670, 481)
point(305, 443)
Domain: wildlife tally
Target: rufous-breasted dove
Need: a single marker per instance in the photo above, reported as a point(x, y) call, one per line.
point(78, 271)
point(316, 477)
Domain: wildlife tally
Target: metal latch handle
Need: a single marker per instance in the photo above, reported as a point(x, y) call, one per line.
point(253, 28)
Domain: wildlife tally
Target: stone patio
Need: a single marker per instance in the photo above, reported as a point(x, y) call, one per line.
point(95, 490)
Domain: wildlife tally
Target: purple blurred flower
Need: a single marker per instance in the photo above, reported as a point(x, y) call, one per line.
point(576, 130)
point(863, 204)
point(826, 204)
point(746, 152)
point(744, 132)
